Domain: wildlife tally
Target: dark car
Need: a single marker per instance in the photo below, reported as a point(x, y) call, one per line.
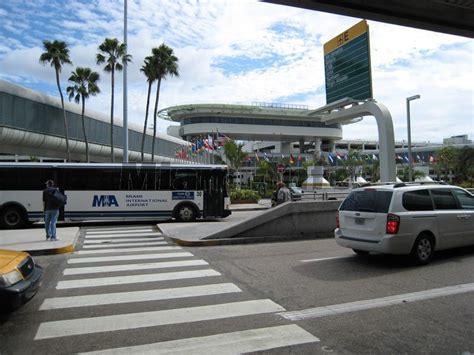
point(20, 279)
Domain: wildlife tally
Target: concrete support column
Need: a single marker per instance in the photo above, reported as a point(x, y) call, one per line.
point(385, 131)
point(332, 145)
point(317, 148)
point(285, 148)
point(301, 146)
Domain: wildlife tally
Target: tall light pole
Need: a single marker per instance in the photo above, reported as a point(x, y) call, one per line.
point(410, 161)
point(125, 109)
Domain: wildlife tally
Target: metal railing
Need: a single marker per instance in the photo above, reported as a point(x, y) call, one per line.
point(323, 195)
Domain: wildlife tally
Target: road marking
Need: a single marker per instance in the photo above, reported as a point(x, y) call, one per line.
point(330, 258)
point(137, 296)
point(132, 279)
point(123, 250)
point(121, 235)
point(377, 302)
point(228, 343)
point(134, 267)
point(99, 259)
point(119, 231)
point(126, 240)
point(108, 245)
point(70, 327)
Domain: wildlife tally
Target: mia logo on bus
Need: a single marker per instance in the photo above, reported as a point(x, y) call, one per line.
point(104, 201)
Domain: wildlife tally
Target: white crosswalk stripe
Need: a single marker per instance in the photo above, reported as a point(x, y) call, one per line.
point(123, 250)
point(121, 280)
point(120, 231)
point(121, 240)
point(122, 235)
point(135, 254)
point(108, 245)
point(245, 341)
point(152, 319)
point(102, 259)
point(133, 267)
point(137, 296)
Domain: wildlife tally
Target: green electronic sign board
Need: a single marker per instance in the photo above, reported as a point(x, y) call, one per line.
point(347, 65)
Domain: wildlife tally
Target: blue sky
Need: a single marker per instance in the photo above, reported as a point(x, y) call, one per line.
point(242, 52)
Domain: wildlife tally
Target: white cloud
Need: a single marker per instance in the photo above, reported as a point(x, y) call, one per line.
point(204, 34)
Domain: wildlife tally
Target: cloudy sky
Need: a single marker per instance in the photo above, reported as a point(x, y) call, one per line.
point(241, 52)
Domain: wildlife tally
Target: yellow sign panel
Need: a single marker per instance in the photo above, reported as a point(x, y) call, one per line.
point(346, 36)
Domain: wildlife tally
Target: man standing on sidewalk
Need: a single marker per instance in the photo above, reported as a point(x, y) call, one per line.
point(51, 210)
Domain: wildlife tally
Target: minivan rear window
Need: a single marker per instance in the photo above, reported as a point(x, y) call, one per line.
point(368, 200)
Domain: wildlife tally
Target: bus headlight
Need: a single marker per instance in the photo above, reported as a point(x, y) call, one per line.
point(11, 278)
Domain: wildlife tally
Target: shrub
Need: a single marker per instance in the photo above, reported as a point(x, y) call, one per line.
point(244, 195)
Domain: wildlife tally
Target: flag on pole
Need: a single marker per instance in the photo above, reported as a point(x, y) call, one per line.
point(256, 157)
point(265, 156)
point(331, 159)
point(292, 160)
point(374, 157)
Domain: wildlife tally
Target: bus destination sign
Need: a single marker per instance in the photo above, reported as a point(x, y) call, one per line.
point(347, 65)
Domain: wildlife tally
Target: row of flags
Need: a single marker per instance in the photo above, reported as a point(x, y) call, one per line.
point(267, 159)
point(333, 158)
point(201, 145)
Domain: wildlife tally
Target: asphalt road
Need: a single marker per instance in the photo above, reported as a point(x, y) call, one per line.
point(271, 298)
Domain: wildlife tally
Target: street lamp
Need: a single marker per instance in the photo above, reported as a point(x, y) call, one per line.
point(410, 167)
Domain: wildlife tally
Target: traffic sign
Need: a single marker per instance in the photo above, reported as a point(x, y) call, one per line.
point(347, 65)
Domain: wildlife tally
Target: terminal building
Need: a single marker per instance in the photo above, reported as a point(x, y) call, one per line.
point(31, 128)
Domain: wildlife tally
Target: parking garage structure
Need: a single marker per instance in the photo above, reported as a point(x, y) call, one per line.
point(282, 123)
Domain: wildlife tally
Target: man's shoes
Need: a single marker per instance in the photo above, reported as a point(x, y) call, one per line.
point(47, 237)
point(55, 239)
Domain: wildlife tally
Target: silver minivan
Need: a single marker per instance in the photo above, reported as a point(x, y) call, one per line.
point(406, 218)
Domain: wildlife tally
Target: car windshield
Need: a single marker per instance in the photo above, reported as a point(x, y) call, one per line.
point(367, 200)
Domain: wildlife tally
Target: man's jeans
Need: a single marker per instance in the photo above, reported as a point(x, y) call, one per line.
point(50, 219)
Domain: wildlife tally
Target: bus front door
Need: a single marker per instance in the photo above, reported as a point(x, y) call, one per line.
point(213, 198)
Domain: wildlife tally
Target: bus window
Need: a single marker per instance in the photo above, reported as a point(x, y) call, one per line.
point(185, 180)
point(134, 179)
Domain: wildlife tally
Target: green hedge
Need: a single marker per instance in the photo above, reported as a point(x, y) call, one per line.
point(244, 195)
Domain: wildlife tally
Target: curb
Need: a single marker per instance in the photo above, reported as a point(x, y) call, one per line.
point(54, 251)
point(242, 240)
point(62, 250)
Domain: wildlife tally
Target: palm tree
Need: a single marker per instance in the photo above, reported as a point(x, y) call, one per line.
point(85, 84)
point(149, 71)
point(112, 52)
point(234, 155)
point(57, 54)
point(165, 64)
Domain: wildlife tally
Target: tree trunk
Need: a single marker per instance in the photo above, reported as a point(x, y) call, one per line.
point(154, 120)
point(146, 120)
point(84, 128)
point(112, 119)
point(68, 153)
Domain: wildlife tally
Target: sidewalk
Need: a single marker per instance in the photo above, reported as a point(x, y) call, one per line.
point(33, 240)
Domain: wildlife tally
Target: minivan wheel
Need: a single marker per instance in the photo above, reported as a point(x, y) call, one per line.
point(423, 249)
point(361, 252)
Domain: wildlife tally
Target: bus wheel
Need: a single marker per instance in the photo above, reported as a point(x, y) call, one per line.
point(12, 217)
point(185, 213)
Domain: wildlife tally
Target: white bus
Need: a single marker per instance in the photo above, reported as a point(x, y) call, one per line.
point(114, 191)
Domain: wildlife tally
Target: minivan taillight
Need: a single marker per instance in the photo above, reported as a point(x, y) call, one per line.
point(393, 223)
point(337, 220)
